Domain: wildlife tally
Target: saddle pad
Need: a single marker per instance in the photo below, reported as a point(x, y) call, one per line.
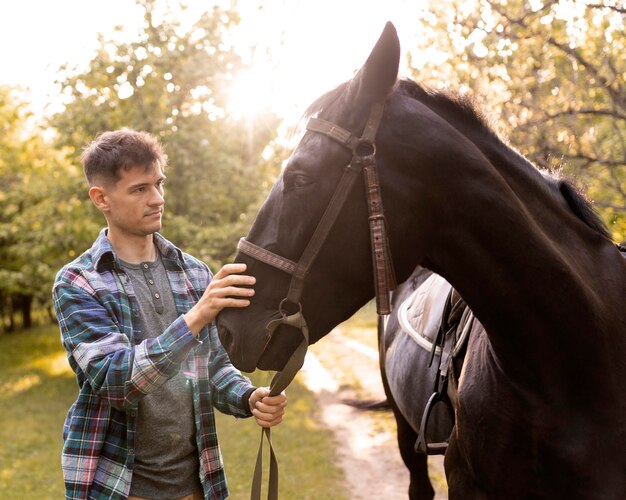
point(421, 313)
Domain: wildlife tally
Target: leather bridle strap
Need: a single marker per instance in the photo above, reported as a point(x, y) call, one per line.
point(299, 270)
point(363, 158)
point(279, 383)
point(265, 256)
point(384, 273)
point(326, 223)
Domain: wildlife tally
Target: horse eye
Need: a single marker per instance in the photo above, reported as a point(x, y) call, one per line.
point(296, 181)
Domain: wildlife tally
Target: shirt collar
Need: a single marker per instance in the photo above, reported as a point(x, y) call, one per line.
point(104, 256)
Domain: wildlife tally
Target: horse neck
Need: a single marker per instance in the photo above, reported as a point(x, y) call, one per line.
point(504, 241)
point(468, 121)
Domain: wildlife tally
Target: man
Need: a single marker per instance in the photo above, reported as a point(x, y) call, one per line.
point(136, 317)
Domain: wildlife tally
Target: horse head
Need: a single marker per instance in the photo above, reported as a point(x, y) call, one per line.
point(340, 279)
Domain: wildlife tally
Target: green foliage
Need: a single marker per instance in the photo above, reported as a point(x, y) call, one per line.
point(554, 74)
point(173, 82)
point(43, 223)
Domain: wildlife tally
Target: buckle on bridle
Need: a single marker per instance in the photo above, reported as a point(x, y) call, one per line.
point(364, 153)
point(294, 319)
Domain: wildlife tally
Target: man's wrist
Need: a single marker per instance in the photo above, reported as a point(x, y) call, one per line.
point(246, 399)
point(194, 322)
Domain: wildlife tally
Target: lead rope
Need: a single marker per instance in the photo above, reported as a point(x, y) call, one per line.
point(279, 383)
point(363, 159)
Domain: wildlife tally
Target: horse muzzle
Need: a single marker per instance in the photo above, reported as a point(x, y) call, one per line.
point(285, 334)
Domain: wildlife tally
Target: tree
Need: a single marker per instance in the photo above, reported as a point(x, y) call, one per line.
point(554, 74)
point(173, 82)
point(42, 221)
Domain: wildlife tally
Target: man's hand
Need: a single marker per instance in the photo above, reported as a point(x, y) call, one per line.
point(228, 288)
point(268, 411)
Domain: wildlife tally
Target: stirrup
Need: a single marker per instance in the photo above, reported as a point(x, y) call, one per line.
point(422, 445)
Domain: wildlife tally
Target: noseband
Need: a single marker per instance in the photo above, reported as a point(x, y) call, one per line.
point(363, 160)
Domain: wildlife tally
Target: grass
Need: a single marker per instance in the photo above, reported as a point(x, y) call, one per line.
point(304, 448)
point(37, 387)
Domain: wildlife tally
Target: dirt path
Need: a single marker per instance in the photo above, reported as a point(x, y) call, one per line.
point(338, 368)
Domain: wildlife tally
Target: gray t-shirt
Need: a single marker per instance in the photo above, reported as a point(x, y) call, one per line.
point(166, 457)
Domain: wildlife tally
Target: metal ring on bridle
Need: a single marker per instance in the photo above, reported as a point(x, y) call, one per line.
point(284, 313)
point(365, 148)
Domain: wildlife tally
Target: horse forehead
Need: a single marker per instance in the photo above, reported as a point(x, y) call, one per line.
point(316, 151)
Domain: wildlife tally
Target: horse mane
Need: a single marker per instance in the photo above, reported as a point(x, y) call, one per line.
point(462, 112)
point(448, 104)
point(580, 205)
point(326, 100)
point(466, 114)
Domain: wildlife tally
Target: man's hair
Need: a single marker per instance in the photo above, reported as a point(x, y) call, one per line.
point(113, 151)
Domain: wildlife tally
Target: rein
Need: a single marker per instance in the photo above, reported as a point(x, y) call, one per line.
point(363, 160)
point(279, 383)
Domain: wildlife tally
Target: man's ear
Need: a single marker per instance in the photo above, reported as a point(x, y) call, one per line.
point(99, 198)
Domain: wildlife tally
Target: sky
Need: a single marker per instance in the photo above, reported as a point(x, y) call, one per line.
point(38, 36)
point(325, 42)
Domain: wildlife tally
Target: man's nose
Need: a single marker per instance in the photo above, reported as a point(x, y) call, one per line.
point(157, 197)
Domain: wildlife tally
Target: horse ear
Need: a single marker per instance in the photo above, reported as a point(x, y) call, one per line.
point(376, 78)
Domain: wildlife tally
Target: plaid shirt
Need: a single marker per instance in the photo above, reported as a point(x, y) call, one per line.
point(100, 329)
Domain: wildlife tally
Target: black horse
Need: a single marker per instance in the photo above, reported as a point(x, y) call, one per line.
point(411, 369)
point(541, 411)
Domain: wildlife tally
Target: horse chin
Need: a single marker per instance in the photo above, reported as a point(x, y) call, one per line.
point(280, 347)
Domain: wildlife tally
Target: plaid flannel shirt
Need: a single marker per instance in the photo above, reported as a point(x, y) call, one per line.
point(98, 315)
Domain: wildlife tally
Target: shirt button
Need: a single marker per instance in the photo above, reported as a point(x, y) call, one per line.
point(156, 295)
point(145, 266)
point(151, 282)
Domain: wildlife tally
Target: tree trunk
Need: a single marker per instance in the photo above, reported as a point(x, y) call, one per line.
point(26, 302)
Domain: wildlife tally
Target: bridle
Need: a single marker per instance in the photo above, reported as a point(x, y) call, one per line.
point(363, 150)
point(363, 160)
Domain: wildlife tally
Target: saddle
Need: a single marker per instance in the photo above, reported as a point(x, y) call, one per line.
point(421, 315)
point(437, 318)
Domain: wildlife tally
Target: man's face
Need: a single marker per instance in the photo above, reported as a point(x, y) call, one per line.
point(134, 205)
